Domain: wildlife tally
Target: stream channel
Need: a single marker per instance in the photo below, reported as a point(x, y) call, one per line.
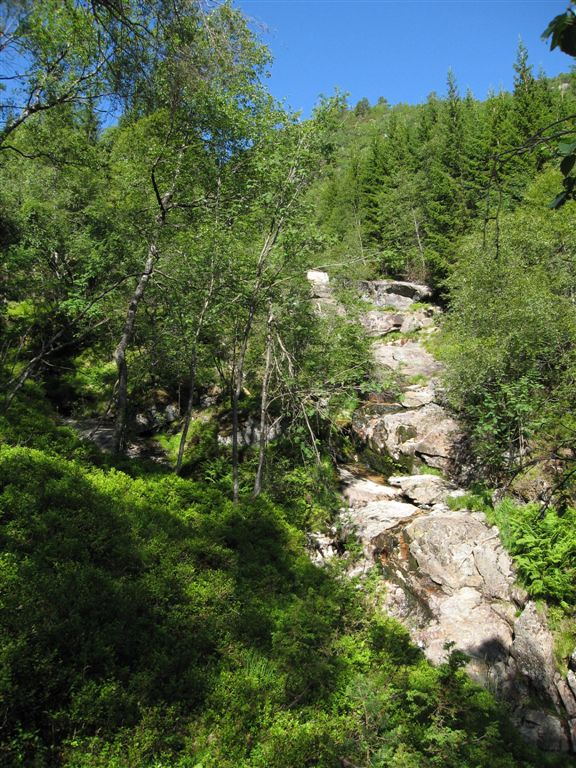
point(447, 577)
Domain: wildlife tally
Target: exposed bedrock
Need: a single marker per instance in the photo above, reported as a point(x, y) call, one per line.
point(448, 578)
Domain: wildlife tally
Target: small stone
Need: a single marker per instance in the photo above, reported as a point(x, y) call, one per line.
point(571, 680)
point(567, 697)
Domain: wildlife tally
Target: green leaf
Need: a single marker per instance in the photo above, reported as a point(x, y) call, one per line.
point(562, 31)
point(565, 148)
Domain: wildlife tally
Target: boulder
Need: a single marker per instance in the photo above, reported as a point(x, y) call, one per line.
point(533, 651)
point(543, 730)
point(359, 491)
point(423, 490)
point(566, 696)
point(428, 432)
point(99, 432)
point(321, 547)
point(446, 547)
point(380, 323)
point(398, 294)
point(376, 517)
point(467, 621)
point(571, 680)
point(409, 359)
point(318, 277)
point(417, 395)
point(248, 432)
point(415, 321)
point(319, 284)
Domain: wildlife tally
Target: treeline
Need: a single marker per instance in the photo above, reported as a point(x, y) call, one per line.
point(410, 181)
point(465, 194)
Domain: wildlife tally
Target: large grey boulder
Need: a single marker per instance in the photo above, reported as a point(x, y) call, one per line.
point(325, 304)
point(408, 358)
point(543, 729)
point(428, 433)
point(417, 395)
point(319, 284)
point(378, 323)
point(249, 432)
point(457, 550)
point(416, 321)
point(470, 623)
point(424, 490)
point(376, 517)
point(397, 294)
point(533, 649)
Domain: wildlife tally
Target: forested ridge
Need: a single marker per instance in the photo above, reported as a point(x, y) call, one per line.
point(174, 407)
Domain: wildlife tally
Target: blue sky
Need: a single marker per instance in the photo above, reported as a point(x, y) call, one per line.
point(399, 49)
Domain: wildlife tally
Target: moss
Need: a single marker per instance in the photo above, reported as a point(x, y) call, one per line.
point(384, 464)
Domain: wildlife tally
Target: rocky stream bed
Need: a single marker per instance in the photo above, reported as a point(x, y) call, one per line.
point(447, 577)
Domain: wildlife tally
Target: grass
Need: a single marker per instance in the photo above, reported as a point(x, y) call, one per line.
point(563, 628)
point(426, 470)
point(417, 305)
point(419, 378)
point(477, 500)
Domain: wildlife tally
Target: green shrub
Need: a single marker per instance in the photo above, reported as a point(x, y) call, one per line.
point(543, 545)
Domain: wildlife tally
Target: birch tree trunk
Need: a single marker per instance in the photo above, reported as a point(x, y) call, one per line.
point(192, 379)
point(238, 371)
point(264, 408)
point(120, 351)
point(119, 356)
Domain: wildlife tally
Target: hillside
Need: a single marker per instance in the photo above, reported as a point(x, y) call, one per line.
point(286, 420)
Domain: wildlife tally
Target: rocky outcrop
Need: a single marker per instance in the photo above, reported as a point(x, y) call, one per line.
point(249, 431)
point(396, 294)
point(408, 358)
point(424, 490)
point(322, 295)
point(449, 581)
point(100, 432)
point(319, 284)
point(378, 323)
point(426, 434)
point(448, 578)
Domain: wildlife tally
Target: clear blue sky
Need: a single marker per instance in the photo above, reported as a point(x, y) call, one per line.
point(399, 49)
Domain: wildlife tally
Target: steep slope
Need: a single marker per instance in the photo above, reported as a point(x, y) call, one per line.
point(448, 578)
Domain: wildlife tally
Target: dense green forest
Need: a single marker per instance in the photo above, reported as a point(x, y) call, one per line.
point(158, 213)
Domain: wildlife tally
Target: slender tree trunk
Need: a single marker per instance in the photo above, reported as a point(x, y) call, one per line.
point(264, 408)
point(164, 203)
point(120, 351)
point(192, 380)
point(238, 372)
point(237, 382)
point(301, 405)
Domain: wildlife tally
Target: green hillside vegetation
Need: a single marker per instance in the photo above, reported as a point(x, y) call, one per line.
point(158, 213)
